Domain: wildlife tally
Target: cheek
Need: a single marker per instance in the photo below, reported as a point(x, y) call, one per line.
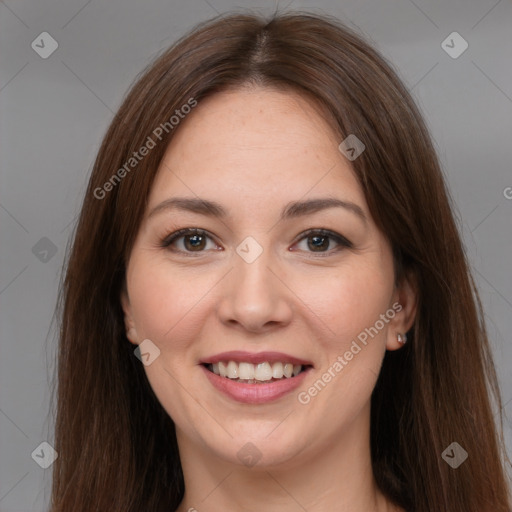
point(168, 303)
point(349, 300)
point(160, 299)
point(350, 303)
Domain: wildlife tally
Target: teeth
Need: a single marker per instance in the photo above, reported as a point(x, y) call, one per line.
point(245, 371)
point(232, 370)
point(288, 370)
point(252, 373)
point(263, 371)
point(277, 370)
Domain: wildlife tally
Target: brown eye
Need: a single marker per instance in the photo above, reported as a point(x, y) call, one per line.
point(194, 240)
point(318, 242)
point(321, 241)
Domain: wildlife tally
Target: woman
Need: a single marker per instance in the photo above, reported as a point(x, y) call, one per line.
point(267, 303)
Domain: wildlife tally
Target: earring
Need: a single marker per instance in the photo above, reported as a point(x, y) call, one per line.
point(402, 338)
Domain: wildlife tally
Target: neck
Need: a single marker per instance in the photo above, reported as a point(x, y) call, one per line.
point(337, 477)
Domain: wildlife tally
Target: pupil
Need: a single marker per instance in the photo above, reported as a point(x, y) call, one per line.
point(317, 242)
point(195, 241)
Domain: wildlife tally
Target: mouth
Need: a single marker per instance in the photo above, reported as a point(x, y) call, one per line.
point(260, 373)
point(255, 378)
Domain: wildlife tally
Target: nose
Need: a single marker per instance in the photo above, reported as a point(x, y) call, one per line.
point(255, 297)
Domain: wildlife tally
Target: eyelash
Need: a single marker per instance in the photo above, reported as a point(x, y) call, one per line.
point(342, 241)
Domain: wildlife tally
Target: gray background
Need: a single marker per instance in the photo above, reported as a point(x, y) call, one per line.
point(55, 111)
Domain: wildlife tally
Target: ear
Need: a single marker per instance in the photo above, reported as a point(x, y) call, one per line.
point(404, 303)
point(129, 324)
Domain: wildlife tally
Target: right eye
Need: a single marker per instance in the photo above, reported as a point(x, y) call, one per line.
point(194, 240)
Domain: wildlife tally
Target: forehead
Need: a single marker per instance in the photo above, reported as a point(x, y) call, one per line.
point(256, 115)
point(255, 142)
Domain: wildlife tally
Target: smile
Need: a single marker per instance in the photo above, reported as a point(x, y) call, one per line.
point(255, 378)
point(250, 373)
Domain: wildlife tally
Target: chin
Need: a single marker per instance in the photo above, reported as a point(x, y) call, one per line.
point(257, 447)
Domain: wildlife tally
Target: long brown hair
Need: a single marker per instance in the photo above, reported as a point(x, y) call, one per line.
point(117, 446)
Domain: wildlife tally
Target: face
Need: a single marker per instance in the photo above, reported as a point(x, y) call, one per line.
point(298, 294)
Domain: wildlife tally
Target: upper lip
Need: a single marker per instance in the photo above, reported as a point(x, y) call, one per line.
point(240, 356)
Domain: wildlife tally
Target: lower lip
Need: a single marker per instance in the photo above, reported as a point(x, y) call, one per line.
point(255, 393)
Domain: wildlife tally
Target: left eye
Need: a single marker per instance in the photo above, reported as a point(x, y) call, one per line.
point(195, 240)
point(319, 239)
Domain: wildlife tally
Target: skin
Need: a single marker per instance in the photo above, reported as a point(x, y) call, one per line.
point(253, 150)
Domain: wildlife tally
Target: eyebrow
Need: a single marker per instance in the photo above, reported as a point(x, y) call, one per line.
point(292, 210)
